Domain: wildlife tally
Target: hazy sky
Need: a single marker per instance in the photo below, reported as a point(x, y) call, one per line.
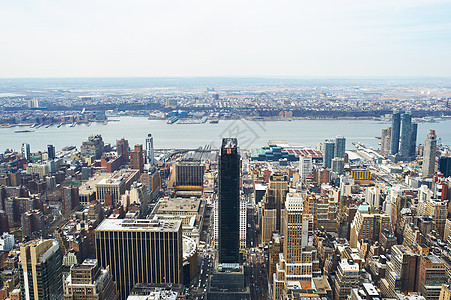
point(78, 38)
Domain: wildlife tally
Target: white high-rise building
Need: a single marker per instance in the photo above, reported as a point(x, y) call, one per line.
point(6, 242)
point(305, 167)
point(373, 196)
point(26, 153)
point(243, 222)
point(149, 150)
point(430, 149)
point(215, 222)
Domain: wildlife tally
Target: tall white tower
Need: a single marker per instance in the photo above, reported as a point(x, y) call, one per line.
point(305, 166)
point(149, 149)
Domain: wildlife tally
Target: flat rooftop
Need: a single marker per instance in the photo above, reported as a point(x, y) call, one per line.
point(139, 225)
point(179, 205)
point(90, 186)
point(118, 177)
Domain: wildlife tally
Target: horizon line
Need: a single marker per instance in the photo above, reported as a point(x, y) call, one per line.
point(239, 77)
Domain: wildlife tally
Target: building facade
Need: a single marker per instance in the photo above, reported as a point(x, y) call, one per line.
point(229, 202)
point(40, 271)
point(140, 251)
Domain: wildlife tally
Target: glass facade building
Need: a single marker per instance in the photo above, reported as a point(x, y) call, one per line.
point(229, 202)
point(140, 251)
point(395, 132)
point(406, 134)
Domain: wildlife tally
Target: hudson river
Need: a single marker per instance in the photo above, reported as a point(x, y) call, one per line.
point(250, 134)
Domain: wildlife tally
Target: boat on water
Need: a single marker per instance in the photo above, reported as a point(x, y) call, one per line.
point(172, 120)
point(22, 131)
point(39, 126)
point(89, 124)
point(216, 121)
point(204, 120)
point(34, 125)
point(105, 122)
point(59, 125)
point(73, 124)
point(47, 126)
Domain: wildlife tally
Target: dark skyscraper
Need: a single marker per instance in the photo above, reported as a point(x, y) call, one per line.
point(413, 140)
point(406, 133)
point(51, 151)
point(445, 165)
point(229, 202)
point(395, 131)
point(340, 146)
point(329, 153)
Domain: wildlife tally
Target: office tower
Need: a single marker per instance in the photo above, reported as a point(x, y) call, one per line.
point(346, 279)
point(430, 149)
point(432, 274)
point(51, 151)
point(149, 150)
point(385, 141)
point(413, 140)
point(444, 166)
point(305, 167)
point(137, 159)
point(140, 251)
point(123, 149)
point(93, 147)
point(338, 165)
point(395, 131)
point(189, 178)
point(69, 197)
point(367, 225)
point(340, 146)
point(40, 271)
point(229, 202)
point(273, 204)
point(406, 133)
point(26, 153)
point(295, 228)
point(329, 153)
point(298, 263)
point(83, 282)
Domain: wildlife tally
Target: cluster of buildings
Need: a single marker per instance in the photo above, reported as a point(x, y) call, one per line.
point(113, 222)
point(97, 228)
point(357, 224)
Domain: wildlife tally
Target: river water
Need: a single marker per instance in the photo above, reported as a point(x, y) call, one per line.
point(250, 134)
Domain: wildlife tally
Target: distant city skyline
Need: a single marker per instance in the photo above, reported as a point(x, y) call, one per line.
point(209, 38)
